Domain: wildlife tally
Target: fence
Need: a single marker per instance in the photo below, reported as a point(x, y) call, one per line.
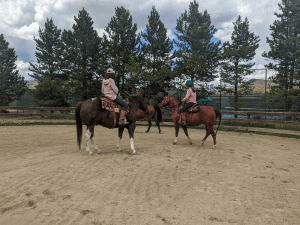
point(69, 112)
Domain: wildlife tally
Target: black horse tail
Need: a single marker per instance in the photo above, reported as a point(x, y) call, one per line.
point(159, 114)
point(218, 115)
point(78, 124)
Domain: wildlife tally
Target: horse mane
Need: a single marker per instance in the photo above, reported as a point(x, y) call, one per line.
point(137, 99)
point(176, 101)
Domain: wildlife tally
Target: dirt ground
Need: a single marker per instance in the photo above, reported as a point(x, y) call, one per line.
point(46, 179)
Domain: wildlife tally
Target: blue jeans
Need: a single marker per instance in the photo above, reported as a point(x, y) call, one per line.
point(186, 106)
point(122, 103)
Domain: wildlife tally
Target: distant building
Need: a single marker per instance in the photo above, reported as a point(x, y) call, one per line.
point(31, 84)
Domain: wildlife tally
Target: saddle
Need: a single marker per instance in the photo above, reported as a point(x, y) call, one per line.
point(112, 106)
point(195, 108)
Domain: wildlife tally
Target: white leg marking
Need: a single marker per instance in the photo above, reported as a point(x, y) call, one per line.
point(95, 146)
point(118, 145)
point(215, 146)
point(132, 146)
point(87, 136)
point(175, 141)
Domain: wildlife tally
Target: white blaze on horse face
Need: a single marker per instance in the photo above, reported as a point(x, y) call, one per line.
point(176, 139)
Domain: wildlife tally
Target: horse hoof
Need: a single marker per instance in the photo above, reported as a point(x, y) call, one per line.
point(174, 143)
point(99, 152)
point(215, 146)
point(191, 143)
point(90, 153)
point(134, 153)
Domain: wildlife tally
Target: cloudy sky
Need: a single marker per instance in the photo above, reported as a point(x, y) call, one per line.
point(21, 19)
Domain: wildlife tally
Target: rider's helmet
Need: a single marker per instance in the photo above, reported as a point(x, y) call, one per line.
point(189, 83)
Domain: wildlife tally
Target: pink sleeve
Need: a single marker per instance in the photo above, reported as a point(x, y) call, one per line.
point(114, 87)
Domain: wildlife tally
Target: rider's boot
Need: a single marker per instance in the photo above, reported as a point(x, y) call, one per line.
point(122, 116)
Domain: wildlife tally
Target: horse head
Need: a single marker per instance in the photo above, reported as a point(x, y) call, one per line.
point(169, 100)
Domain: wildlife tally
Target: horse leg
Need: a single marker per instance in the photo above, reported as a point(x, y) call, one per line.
point(186, 133)
point(157, 123)
point(93, 142)
point(88, 137)
point(149, 123)
point(207, 134)
point(176, 125)
point(121, 129)
point(131, 128)
point(215, 139)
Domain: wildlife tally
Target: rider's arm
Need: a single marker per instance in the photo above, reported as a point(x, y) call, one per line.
point(188, 94)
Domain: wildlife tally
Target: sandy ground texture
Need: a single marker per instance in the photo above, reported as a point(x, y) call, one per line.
point(46, 179)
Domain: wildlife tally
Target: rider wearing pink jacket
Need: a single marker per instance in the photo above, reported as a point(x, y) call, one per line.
point(188, 101)
point(110, 90)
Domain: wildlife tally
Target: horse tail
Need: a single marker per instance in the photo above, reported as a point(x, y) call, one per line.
point(78, 124)
point(159, 114)
point(218, 115)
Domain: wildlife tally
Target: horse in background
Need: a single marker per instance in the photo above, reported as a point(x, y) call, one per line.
point(91, 113)
point(154, 114)
point(203, 115)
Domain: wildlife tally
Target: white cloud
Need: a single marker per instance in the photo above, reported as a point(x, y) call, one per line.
point(21, 65)
point(25, 32)
point(170, 35)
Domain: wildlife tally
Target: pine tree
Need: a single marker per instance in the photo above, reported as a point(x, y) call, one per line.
point(123, 44)
point(47, 71)
point(237, 57)
point(285, 51)
point(197, 54)
point(83, 53)
point(12, 85)
point(157, 61)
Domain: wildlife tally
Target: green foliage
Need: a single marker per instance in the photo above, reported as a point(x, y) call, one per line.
point(49, 93)
point(84, 57)
point(157, 62)
point(198, 55)
point(236, 61)
point(12, 85)
point(122, 44)
point(285, 51)
point(52, 89)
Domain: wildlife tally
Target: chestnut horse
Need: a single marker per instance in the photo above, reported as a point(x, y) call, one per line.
point(206, 115)
point(91, 113)
point(157, 118)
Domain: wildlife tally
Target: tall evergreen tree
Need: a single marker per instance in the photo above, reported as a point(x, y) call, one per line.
point(123, 44)
point(48, 69)
point(156, 49)
point(12, 85)
point(285, 51)
point(197, 54)
point(83, 51)
point(237, 57)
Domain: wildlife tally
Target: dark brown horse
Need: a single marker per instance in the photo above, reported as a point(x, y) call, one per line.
point(206, 115)
point(154, 114)
point(91, 113)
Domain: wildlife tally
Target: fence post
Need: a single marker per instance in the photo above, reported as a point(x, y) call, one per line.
point(248, 117)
